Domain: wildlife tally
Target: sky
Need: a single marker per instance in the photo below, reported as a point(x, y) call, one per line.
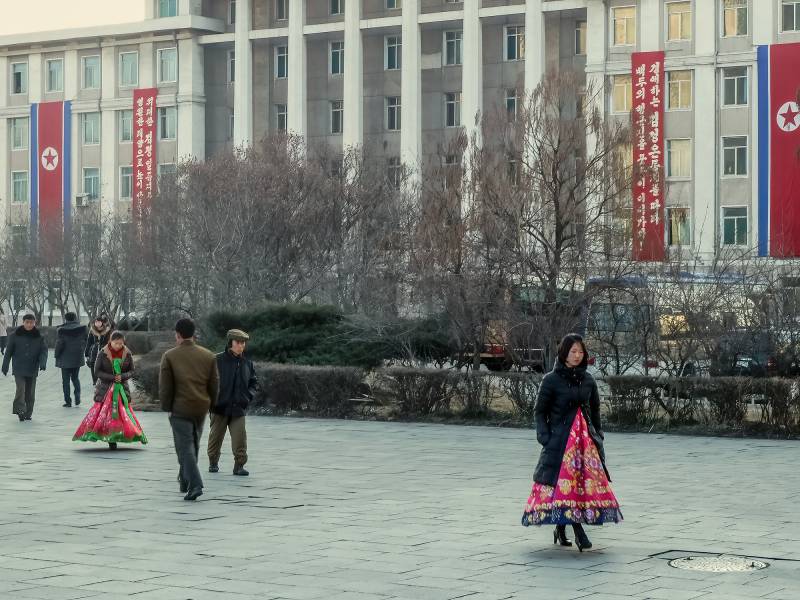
point(27, 16)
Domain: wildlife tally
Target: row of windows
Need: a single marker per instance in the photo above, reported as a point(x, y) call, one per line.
point(91, 71)
point(734, 226)
point(90, 182)
point(678, 20)
point(734, 89)
point(167, 126)
point(734, 157)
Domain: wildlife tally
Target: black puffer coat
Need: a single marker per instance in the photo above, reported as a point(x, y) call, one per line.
point(562, 393)
point(27, 353)
point(237, 384)
point(70, 345)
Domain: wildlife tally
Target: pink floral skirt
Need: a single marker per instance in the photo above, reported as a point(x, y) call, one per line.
point(101, 425)
point(582, 493)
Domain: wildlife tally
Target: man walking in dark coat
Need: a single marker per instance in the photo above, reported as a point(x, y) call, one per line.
point(27, 353)
point(69, 353)
point(237, 384)
point(187, 387)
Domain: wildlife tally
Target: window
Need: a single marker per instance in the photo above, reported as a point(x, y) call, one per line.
point(515, 43)
point(280, 117)
point(19, 186)
point(232, 12)
point(624, 25)
point(90, 126)
point(734, 18)
point(679, 21)
point(511, 104)
point(129, 69)
point(580, 38)
point(734, 226)
point(337, 58)
point(452, 109)
point(167, 170)
point(55, 75)
point(126, 126)
point(231, 60)
point(734, 86)
point(622, 96)
point(168, 65)
point(734, 156)
point(679, 233)
point(19, 244)
point(452, 47)
point(125, 182)
point(281, 11)
point(791, 15)
point(337, 7)
point(393, 113)
point(394, 52)
point(91, 183)
point(679, 88)
point(167, 8)
point(19, 78)
point(91, 72)
point(452, 170)
point(337, 113)
point(393, 4)
point(394, 172)
point(679, 158)
point(512, 170)
point(281, 62)
point(19, 133)
point(167, 122)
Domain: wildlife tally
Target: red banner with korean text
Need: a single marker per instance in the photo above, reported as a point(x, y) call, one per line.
point(144, 150)
point(647, 80)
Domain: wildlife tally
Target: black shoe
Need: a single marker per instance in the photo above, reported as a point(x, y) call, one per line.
point(193, 494)
point(213, 468)
point(77, 401)
point(28, 418)
point(183, 485)
point(241, 471)
point(112, 445)
point(581, 539)
point(21, 417)
point(560, 536)
point(67, 404)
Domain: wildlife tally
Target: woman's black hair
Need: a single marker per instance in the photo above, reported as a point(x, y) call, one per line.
point(566, 345)
point(117, 335)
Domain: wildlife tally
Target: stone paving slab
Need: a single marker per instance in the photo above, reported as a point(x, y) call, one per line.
point(388, 511)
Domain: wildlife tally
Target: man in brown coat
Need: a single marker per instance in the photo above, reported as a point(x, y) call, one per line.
point(187, 387)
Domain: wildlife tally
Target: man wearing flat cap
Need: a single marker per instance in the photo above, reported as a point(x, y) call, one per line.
point(237, 384)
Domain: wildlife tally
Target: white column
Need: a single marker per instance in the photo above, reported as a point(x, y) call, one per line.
point(149, 9)
point(649, 18)
point(763, 34)
point(353, 126)
point(191, 100)
point(147, 65)
point(243, 85)
point(534, 45)
point(35, 77)
point(706, 174)
point(472, 71)
point(764, 22)
point(108, 134)
point(411, 88)
point(72, 74)
point(5, 173)
point(72, 78)
point(297, 93)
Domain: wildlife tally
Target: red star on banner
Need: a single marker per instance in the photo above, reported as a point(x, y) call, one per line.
point(49, 157)
point(789, 117)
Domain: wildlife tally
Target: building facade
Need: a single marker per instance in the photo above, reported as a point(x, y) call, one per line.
point(400, 77)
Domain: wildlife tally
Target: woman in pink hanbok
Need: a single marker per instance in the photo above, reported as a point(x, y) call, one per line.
point(571, 485)
point(111, 419)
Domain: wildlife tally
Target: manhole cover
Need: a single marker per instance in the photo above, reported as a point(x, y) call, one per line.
point(718, 564)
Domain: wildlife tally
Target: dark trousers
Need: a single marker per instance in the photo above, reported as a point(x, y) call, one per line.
point(3, 340)
point(186, 434)
point(68, 375)
point(25, 396)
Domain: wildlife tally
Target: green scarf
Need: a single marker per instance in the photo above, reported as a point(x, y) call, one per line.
point(119, 391)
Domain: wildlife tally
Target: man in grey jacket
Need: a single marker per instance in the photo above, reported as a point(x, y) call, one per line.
point(27, 353)
point(70, 346)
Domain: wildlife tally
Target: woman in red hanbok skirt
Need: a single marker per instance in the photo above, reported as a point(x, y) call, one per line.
point(111, 419)
point(571, 485)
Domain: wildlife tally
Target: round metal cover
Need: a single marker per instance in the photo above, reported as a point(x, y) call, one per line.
point(718, 564)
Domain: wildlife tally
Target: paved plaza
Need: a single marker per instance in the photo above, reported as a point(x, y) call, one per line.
point(358, 510)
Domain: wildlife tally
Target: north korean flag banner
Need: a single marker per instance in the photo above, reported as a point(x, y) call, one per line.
point(647, 80)
point(144, 150)
point(779, 150)
point(51, 209)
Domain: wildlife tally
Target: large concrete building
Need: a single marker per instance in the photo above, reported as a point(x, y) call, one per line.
point(400, 76)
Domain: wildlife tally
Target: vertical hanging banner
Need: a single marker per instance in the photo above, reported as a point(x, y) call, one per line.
point(647, 79)
point(779, 150)
point(144, 150)
point(50, 186)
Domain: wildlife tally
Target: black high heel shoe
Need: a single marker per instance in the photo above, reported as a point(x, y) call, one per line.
point(560, 536)
point(581, 539)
